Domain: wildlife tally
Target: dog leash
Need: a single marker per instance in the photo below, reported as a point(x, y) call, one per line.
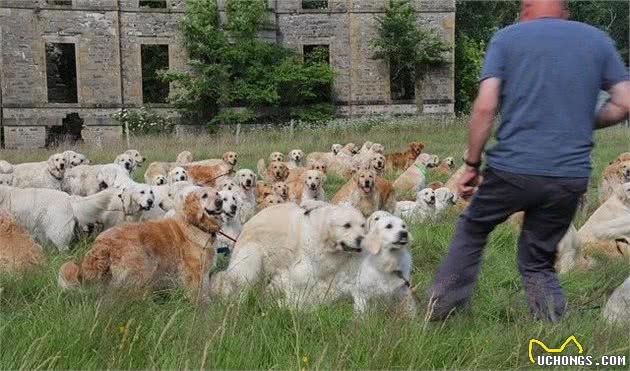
point(408, 285)
point(226, 236)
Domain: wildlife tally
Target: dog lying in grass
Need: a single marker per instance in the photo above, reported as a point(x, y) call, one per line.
point(172, 252)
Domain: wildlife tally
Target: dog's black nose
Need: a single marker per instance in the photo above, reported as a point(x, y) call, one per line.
point(62, 165)
point(358, 241)
point(403, 235)
point(102, 186)
point(149, 202)
point(218, 203)
point(233, 207)
point(248, 182)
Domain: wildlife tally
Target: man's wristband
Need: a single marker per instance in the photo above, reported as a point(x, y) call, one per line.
point(475, 165)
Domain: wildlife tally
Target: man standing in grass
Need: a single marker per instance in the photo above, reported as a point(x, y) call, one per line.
point(546, 72)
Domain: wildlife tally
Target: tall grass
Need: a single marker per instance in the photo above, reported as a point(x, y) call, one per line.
point(42, 327)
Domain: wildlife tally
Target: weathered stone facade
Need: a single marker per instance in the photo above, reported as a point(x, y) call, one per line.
point(108, 35)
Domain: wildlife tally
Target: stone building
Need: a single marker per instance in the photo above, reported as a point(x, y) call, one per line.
point(66, 66)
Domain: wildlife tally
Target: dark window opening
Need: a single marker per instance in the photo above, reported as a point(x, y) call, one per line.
point(314, 4)
point(154, 59)
point(402, 82)
point(68, 132)
point(61, 73)
point(316, 54)
point(60, 2)
point(156, 4)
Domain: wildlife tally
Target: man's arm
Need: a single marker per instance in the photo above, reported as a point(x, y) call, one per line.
point(617, 108)
point(479, 130)
point(482, 117)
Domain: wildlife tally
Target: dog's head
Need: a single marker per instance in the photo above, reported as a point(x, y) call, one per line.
point(345, 230)
point(319, 166)
point(111, 175)
point(449, 161)
point(231, 203)
point(136, 156)
point(435, 161)
point(624, 171)
point(227, 184)
point(276, 156)
point(445, 196)
point(202, 208)
point(375, 217)
point(377, 162)
point(336, 148)
point(230, 158)
point(177, 174)
point(314, 180)
point(7, 179)
point(416, 148)
point(366, 146)
point(281, 189)
point(184, 157)
point(296, 155)
point(366, 179)
point(137, 197)
point(426, 196)
point(389, 232)
point(423, 159)
point(158, 180)
point(246, 179)
point(272, 199)
point(279, 171)
point(56, 165)
point(125, 161)
point(73, 159)
point(378, 148)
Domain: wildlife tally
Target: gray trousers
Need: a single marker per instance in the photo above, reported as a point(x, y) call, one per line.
point(549, 204)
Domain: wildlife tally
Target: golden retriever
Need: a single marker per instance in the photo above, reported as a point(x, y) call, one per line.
point(278, 238)
point(367, 193)
point(277, 171)
point(445, 167)
point(402, 160)
point(207, 175)
point(229, 159)
point(615, 174)
point(169, 252)
point(310, 188)
point(18, 251)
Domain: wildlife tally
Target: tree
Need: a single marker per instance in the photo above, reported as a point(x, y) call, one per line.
point(230, 66)
point(410, 50)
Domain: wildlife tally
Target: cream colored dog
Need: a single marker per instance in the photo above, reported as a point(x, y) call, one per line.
point(420, 210)
point(246, 180)
point(414, 177)
point(325, 157)
point(126, 161)
point(177, 174)
point(85, 180)
point(296, 249)
point(53, 216)
point(615, 174)
point(296, 159)
point(385, 271)
point(230, 220)
point(46, 174)
point(129, 205)
point(73, 159)
point(138, 159)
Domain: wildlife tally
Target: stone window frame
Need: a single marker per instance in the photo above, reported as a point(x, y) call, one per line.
point(59, 6)
point(168, 7)
point(59, 39)
point(155, 41)
point(329, 41)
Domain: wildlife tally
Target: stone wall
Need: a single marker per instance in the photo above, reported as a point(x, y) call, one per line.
point(108, 35)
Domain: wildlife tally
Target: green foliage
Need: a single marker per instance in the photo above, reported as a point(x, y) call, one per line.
point(233, 117)
point(319, 112)
point(143, 121)
point(405, 45)
point(235, 68)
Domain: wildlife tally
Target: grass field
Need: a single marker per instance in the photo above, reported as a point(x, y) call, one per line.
point(42, 327)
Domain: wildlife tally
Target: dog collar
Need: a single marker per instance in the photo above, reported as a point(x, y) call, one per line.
point(54, 176)
point(422, 169)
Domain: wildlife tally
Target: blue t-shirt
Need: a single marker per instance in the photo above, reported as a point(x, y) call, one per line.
point(551, 72)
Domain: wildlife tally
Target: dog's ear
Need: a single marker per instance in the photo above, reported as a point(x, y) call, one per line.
point(285, 171)
point(226, 156)
point(126, 197)
point(192, 208)
point(373, 240)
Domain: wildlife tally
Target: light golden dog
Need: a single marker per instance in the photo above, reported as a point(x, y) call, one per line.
point(18, 251)
point(310, 188)
point(414, 178)
point(445, 167)
point(207, 175)
point(169, 252)
point(402, 160)
point(229, 159)
point(277, 171)
point(325, 157)
point(276, 156)
point(615, 174)
point(367, 193)
point(270, 200)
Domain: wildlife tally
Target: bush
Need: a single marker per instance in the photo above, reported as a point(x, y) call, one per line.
point(319, 112)
point(143, 121)
point(232, 116)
